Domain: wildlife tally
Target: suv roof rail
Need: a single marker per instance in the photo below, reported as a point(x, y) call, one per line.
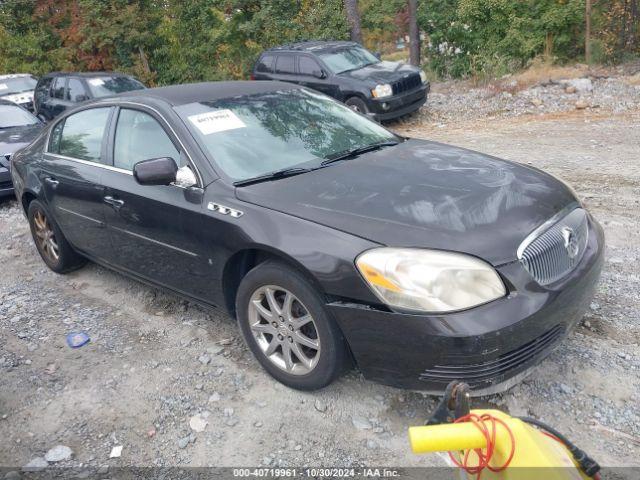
point(311, 44)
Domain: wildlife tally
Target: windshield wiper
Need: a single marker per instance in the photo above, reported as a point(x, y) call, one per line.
point(278, 174)
point(357, 151)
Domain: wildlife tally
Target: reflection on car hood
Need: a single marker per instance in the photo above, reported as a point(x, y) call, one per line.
point(423, 194)
point(381, 72)
point(13, 139)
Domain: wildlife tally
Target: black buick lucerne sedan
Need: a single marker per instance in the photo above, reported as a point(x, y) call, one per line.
point(329, 238)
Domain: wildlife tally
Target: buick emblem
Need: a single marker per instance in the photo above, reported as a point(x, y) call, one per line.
point(570, 242)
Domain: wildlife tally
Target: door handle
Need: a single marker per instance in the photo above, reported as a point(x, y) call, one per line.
point(51, 181)
point(114, 202)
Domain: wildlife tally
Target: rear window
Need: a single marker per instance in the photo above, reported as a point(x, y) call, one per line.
point(111, 85)
point(81, 135)
point(265, 64)
point(285, 64)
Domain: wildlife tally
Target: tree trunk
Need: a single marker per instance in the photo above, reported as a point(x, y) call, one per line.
point(587, 33)
point(414, 33)
point(353, 17)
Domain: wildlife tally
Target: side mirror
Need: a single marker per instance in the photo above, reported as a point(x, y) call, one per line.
point(81, 98)
point(157, 171)
point(378, 55)
point(319, 74)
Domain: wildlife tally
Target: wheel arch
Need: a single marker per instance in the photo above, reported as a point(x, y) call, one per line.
point(26, 198)
point(243, 261)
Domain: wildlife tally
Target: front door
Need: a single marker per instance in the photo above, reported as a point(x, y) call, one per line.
point(310, 73)
point(71, 173)
point(151, 226)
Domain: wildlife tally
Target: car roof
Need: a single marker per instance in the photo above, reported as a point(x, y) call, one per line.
point(16, 75)
point(313, 46)
point(207, 91)
point(87, 74)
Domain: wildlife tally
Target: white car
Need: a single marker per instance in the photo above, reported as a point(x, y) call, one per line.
point(18, 88)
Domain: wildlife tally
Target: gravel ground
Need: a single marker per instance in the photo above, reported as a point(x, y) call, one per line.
point(155, 362)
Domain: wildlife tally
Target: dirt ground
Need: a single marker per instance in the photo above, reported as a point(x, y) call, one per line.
point(154, 360)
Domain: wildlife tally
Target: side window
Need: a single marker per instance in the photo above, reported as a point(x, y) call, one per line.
point(139, 137)
point(265, 64)
point(307, 65)
point(43, 89)
point(82, 134)
point(58, 88)
point(285, 64)
point(76, 90)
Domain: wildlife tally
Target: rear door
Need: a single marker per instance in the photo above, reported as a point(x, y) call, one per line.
point(153, 229)
point(71, 173)
point(56, 103)
point(285, 68)
point(76, 92)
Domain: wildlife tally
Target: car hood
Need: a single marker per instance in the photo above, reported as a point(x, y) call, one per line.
point(423, 194)
point(13, 139)
point(381, 72)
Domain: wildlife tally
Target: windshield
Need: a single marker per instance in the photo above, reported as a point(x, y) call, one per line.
point(350, 58)
point(105, 86)
point(10, 86)
point(14, 116)
point(253, 135)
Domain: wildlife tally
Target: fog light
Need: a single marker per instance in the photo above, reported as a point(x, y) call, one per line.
point(385, 106)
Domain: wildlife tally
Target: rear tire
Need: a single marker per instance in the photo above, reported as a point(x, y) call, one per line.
point(357, 105)
point(285, 324)
point(50, 242)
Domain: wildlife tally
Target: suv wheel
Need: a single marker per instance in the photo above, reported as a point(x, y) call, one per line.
point(284, 323)
point(358, 105)
point(50, 242)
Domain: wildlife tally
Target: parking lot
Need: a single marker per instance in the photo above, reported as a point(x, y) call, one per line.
point(154, 361)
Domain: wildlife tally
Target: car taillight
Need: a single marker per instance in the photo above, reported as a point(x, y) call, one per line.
point(252, 77)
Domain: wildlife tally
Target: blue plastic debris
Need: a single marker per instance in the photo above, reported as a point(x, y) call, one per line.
point(77, 339)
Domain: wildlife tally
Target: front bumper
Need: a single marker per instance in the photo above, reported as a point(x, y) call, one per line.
point(398, 105)
point(485, 346)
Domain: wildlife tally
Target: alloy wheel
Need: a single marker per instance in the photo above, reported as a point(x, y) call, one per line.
point(45, 237)
point(284, 330)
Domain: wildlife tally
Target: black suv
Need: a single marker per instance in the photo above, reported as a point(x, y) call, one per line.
point(56, 92)
point(350, 73)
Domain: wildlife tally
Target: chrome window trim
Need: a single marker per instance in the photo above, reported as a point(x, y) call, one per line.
point(121, 170)
point(95, 164)
point(545, 226)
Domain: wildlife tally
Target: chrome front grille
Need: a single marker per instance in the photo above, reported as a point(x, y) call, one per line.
point(550, 253)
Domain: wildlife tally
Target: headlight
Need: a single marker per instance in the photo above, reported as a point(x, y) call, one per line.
point(429, 280)
point(382, 90)
point(423, 76)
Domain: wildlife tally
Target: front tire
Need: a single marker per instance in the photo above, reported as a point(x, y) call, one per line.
point(284, 322)
point(357, 105)
point(50, 242)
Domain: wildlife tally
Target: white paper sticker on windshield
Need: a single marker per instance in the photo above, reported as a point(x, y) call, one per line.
point(216, 121)
point(96, 82)
point(3, 86)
